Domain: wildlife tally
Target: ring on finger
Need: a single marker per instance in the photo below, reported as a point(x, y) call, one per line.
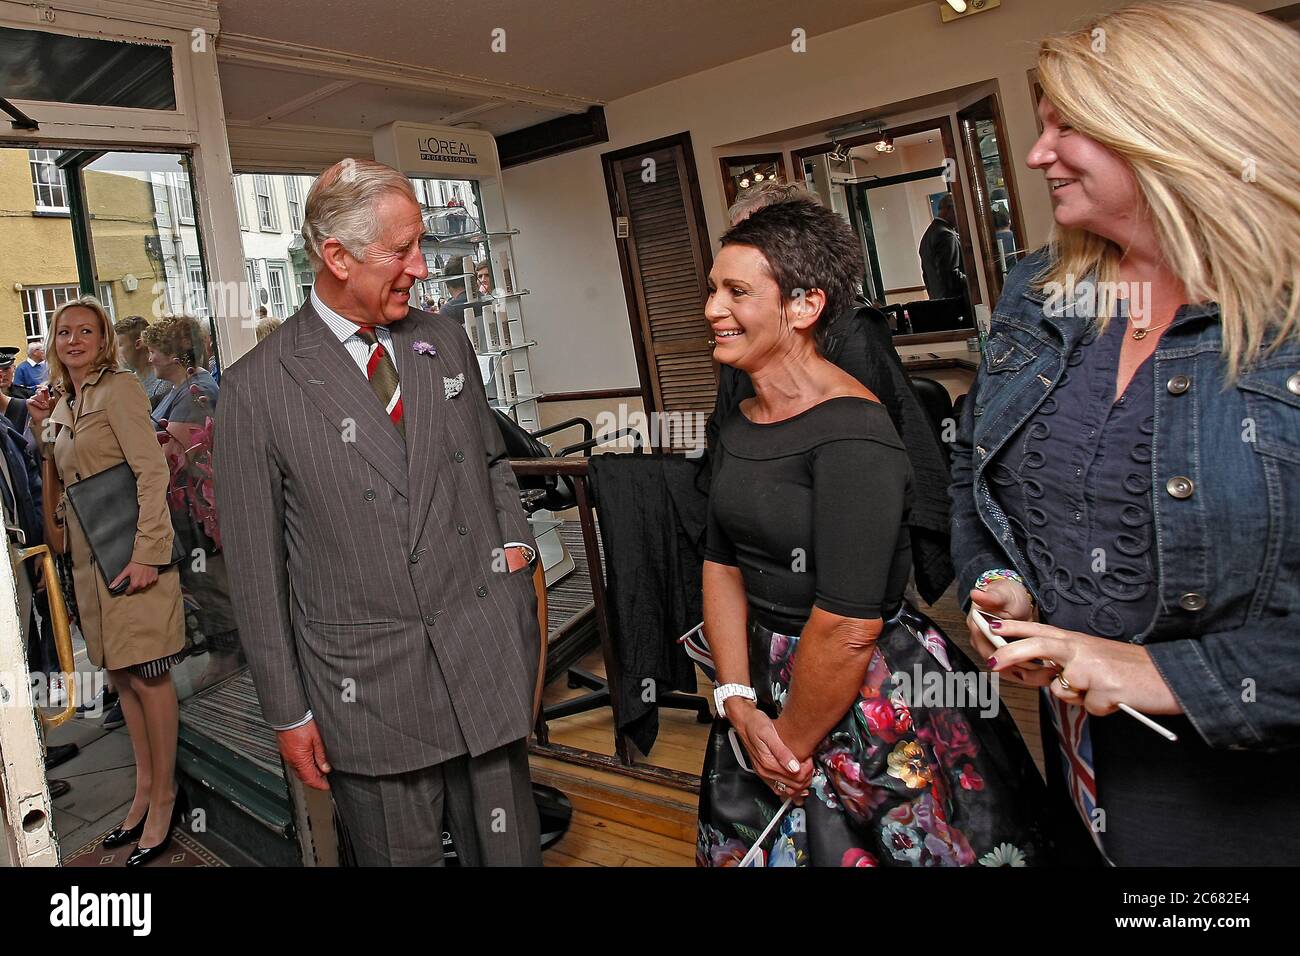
point(781, 787)
point(1065, 684)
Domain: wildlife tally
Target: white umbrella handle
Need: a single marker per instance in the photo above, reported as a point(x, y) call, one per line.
point(753, 850)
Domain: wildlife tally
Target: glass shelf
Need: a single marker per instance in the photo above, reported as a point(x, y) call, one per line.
point(518, 400)
point(478, 305)
point(478, 236)
point(543, 525)
point(497, 353)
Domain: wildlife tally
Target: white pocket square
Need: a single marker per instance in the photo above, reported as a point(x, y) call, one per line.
point(451, 386)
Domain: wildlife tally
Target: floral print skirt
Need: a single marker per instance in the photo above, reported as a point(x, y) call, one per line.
point(926, 768)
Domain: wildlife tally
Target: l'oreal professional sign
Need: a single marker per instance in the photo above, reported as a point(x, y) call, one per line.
point(437, 151)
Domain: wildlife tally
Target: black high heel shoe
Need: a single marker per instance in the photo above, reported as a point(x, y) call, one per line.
point(143, 854)
point(122, 836)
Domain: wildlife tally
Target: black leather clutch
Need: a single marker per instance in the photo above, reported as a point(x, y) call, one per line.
point(108, 511)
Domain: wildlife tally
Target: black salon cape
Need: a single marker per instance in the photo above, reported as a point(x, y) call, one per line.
point(652, 511)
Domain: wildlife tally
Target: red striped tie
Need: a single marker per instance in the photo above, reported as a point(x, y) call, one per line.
point(383, 376)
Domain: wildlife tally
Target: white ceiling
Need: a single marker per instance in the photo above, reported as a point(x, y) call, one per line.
point(356, 64)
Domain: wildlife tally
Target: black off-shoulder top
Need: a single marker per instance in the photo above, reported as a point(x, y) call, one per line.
point(813, 510)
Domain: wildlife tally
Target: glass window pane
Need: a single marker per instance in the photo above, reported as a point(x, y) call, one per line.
point(140, 241)
point(276, 259)
point(47, 180)
point(39, 65)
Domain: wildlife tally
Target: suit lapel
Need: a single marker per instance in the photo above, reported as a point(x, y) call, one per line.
point(423, 411)
point(332, 381)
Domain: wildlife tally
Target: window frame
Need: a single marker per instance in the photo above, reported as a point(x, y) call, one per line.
point(105, 290)
point(294, 200)
point(34, 294)
point(196, 298)
point(184, 198)
point(270, 222)
point(163, 214)
point(279, 269)
point(33, 163)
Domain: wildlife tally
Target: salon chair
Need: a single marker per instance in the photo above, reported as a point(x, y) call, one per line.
point(938, 406)
point(553, 492)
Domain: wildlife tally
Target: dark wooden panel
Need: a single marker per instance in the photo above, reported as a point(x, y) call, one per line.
point(665, 262)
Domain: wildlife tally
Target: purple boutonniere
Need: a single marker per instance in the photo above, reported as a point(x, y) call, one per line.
point(423, 348)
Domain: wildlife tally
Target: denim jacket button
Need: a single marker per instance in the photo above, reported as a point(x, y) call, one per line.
point(1293, 384)
point(1178, 384)
point(1191, 601)
point(1180, 486)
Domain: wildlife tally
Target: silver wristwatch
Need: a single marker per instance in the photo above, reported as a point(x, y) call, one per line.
point(722, 692)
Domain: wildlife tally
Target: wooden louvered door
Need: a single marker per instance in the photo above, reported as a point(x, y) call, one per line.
point(655, 200)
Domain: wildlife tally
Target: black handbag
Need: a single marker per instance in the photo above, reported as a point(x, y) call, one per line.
point(108, 511)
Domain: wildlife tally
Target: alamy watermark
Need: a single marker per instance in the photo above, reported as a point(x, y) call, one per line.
point(50, 690)
point(960, 689)
point(1082, 298)
point(669, 430)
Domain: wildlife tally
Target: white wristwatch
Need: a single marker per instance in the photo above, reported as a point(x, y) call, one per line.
point(723, 691)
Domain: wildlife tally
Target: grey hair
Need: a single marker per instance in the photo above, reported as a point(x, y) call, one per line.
point(761, 195)
point(341, 205)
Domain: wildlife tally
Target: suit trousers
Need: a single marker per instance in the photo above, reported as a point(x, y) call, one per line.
point(397, 819)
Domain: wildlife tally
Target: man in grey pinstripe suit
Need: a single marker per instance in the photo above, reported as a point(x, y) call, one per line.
point(382, 559)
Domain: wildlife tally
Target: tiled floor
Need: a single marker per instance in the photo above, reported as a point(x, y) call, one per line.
point(102, 778)
point(185, 851)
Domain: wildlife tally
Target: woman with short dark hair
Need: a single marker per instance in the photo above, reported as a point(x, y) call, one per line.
point(805, 567)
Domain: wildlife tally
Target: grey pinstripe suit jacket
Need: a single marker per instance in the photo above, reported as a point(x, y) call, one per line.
point(362, 566)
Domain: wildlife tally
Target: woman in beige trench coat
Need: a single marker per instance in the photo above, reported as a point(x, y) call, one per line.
point(98, 417)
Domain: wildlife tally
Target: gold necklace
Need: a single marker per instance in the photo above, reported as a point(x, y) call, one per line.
point(1140, 334)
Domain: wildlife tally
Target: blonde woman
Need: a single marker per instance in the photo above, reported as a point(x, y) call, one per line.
point(99, 417)
point(1126, 492)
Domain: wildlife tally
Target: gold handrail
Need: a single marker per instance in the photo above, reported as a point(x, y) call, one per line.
point(62, 631)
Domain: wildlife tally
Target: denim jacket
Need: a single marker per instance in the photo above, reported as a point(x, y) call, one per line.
point(1225, 494)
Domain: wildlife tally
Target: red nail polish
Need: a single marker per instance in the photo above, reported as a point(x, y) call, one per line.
point(993, 662)
point(995, 624)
